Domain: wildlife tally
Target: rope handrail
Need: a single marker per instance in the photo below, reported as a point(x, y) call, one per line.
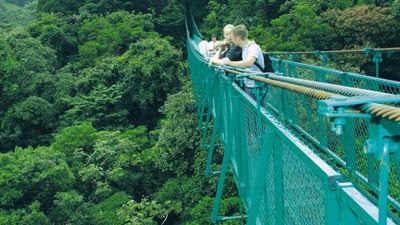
point(364, 50)
point(338, 89)
point(378, 110)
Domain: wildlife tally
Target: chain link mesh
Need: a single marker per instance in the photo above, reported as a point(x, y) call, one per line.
point(347, 147)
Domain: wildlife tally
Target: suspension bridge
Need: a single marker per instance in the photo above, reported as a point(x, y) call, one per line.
point(323, 147)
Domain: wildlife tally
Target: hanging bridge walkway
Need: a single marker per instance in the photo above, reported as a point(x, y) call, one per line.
point(323, 147)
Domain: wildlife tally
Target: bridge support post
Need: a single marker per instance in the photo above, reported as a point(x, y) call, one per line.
point(382, 143)
point(217, 124)
point(383, 140)
point(266, 152)
point(229, 128)
point(376, 58)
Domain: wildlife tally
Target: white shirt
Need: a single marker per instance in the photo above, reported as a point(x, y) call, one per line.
point(211, 48)
point(252, 49)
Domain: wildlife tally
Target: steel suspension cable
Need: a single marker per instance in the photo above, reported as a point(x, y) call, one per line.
point(343, 90)
point(339, 51)
point(314, 93)
point(379, 110)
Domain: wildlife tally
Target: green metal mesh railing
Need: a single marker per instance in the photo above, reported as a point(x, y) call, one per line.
point(346, 149)
point(310, 153)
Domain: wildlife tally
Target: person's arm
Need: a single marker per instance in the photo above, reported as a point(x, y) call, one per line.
point(248, 62)
point(217, 61)
point(218, 53)
point(216, 58)
point(220, 44)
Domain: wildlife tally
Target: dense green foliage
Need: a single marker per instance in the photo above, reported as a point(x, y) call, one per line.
point(309, 25)
point(98, 124)
point(15, 13)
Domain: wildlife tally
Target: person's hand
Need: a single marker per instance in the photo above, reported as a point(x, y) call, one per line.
point(214, 60)
point(222, 44)
point(211, 61)
point(218, 44)
point(226, 61)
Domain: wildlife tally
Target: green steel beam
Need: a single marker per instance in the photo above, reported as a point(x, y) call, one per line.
point(218, 119)
point(356, 208)
point(228, 147)
point(278, 175)
point(257, 192)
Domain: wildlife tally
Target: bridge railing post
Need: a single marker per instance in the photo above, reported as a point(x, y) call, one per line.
point(383, 140)
point(228, 131)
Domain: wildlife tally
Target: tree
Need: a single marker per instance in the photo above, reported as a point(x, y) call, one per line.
point(146, 212)
point(119, 161)
point(170, 21)
point(154, 67)
point(31, 215)
point(64, 87)
point(66, 7)
point(7, 60)
point(29, 89)
point(70, 140)
point(28, 123)
point(68, 208)
point(59, 33)
point(31, 54)
point(214, 22)
point(201, 213)
point(367, 26)
point(29, 175)
point(253, 13)
point(363, 25)
point(184, 192)
point(108, 211)
point(8, 86)
point(111, 35)
point(301, 29)
point(109, 6)
point(178, 137)
point(31, 58)
point(102, 107)
point(35, 215)
point(178, 153)
point(107, 161)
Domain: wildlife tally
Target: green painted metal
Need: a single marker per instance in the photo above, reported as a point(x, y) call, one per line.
point(378, 145)
point(376, 58)
point(297, 159)
point(229, 114)
point(260, 177)
point(217, 119)
point(349, 140)
point(279, 186)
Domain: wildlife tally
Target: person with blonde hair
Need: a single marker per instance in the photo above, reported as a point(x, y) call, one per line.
point(251, 54)
point(226, 48)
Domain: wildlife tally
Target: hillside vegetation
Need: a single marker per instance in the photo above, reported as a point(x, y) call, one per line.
point(14, 16)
